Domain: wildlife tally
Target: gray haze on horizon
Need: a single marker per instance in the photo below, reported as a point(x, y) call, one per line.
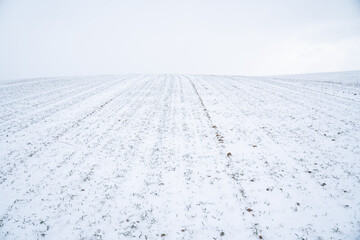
point(42, 38)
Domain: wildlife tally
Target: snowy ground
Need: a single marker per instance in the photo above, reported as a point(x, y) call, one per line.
point(181, 157)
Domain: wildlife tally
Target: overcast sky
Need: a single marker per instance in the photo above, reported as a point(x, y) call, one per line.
point(86, 37)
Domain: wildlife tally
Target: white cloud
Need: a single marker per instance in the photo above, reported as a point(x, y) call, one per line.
point(53, 38)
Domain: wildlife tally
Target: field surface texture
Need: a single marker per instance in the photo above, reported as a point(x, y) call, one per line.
point(181, 157)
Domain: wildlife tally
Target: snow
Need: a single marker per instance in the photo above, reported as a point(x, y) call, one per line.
point(181, 157)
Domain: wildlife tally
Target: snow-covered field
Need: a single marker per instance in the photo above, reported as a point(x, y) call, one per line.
point(181, 157)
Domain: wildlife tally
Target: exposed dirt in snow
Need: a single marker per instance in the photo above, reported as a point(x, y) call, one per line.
point(181, 157)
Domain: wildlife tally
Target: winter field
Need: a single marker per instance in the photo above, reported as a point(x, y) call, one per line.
point(181, 157)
